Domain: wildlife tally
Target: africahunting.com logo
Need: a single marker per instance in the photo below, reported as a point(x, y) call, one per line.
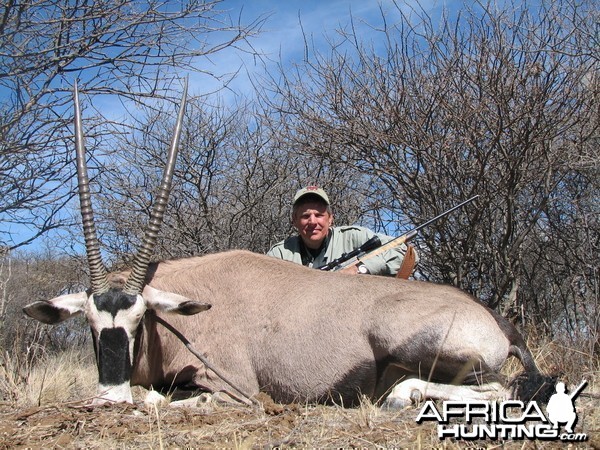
point(512, 419)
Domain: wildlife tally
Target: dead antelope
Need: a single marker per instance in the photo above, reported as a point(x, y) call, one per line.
point(272, 326)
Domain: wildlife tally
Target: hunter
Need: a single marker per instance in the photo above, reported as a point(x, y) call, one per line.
point(319, 242)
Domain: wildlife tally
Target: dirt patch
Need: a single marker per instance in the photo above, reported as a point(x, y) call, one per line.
point(270, 426)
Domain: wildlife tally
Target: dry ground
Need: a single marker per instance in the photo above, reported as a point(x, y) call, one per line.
point(42, 406)
point(72, 425)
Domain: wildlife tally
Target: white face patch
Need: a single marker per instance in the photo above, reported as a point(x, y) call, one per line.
point(98, 320)
point(126, 318)
point(129, 318)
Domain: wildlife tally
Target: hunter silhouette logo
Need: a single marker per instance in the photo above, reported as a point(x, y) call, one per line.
point(561, 407)
point(508, 419)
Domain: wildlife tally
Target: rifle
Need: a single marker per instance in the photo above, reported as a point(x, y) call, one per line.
point(373, 246)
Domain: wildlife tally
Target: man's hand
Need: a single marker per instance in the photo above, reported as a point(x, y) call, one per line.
point(356, 269)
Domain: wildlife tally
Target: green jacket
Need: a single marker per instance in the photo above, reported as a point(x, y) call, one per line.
point(341, 240)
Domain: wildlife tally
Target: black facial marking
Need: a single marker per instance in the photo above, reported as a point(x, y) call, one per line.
point(114, 301)
point(114, 363)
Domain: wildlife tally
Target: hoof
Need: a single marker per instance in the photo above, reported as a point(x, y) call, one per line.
point(396, 403)
point(416, 396)
point(154, 398)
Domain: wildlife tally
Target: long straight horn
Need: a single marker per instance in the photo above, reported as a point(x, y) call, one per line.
point(135, 281)
point(97, 270)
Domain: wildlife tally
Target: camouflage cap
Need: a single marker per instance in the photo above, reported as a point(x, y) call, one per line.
point(311, 190)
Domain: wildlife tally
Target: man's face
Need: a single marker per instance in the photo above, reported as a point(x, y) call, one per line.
point(312, 220)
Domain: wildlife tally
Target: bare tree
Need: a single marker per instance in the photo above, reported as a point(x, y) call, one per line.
point(27, 276)
point(233, 184)
point(120, 50)
point(497, 103)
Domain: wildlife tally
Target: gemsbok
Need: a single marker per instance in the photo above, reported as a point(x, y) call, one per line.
point(272, 326)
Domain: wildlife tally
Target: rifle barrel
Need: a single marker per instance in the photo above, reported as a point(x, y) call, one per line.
point(454, 208)
point(374, 247)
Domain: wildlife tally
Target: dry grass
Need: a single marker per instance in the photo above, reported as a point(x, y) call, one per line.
point(53, 379)
point(284, 426)
point(45, 410)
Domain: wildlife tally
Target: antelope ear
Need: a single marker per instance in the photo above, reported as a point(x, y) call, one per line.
point(58, 309)
point(171, 302)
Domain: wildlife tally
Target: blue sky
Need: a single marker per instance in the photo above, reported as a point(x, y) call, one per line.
point(282, 35)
